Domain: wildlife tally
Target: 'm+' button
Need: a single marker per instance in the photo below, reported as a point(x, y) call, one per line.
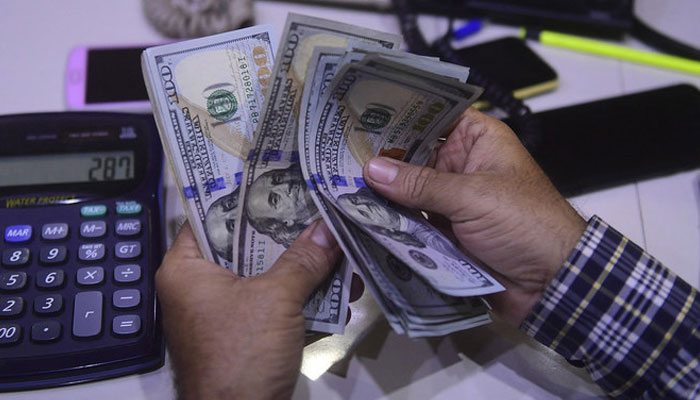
point(18, 233)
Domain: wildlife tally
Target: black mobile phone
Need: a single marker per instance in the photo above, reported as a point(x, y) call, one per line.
point(620, 140)
point(512, 64)
point(106, 78)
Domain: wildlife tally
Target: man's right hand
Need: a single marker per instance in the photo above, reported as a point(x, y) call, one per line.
point(501, 207)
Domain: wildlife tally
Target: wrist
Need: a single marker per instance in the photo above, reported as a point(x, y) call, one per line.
point(527, 282)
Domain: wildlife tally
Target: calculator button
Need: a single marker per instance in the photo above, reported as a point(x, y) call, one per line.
point(90, 276)
point(10, 334)
point(87, 314)
point(126, 324)
point(11, 306)
point(128, 227)
point(98, 210)
point(46, 331)
point(127, 250)
point(13, 280)
point(50, 279)
point(15, 257)
point(126, 298)
point(128, 207)
point(55, 231)
point(91, 252)
point(53, 255)
point(18, 233)
point(48, 304)
point(93, 229)
point(127, 273)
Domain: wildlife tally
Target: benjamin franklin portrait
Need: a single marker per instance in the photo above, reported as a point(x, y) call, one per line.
point(278, 204)
point(219, 224)
point(368, 210)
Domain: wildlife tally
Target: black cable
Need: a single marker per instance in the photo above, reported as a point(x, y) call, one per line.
point(521, 119)
point(661, 42)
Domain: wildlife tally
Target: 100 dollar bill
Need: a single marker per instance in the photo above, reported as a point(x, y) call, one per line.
point(410, 305)
point(207, 96)
point(397, 112)
point(275, 202)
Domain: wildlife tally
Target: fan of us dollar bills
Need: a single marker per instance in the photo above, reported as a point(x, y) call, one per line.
point(260, 149)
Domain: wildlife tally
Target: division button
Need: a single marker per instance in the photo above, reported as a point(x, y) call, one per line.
point(127, 273)
point(46, 331)
point(126, 324)
point(55, 231)
point(126, 298)
point(90, 276)
point(87, 314)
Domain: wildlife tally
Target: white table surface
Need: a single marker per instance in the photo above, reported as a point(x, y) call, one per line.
point(494, 361)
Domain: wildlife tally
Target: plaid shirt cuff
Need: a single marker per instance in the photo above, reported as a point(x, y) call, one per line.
point(630, 320)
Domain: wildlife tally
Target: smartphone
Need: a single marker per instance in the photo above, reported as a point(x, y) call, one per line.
point(511, 63)
point(106, 78)
point(620, 140)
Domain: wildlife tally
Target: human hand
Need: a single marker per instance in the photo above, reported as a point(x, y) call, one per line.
point(499, 204)
point(232, 337)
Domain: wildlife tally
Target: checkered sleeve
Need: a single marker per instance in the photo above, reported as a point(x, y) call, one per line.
point(631, 321)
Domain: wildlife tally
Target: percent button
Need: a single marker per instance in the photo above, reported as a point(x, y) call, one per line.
point(91, 252)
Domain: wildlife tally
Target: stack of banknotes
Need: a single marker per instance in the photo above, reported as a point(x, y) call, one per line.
point(261, 144)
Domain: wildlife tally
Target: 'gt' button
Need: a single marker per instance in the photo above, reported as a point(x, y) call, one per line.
point(127, 250)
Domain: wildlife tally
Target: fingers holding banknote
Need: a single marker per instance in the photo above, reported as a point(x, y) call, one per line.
point(232, 337)
point(501, 207)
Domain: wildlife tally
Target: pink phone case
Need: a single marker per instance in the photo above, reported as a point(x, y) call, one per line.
point(76, 81)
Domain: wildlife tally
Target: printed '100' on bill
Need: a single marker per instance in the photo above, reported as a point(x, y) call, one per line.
point(207, 96)
point(370, 111)
point(275, 203)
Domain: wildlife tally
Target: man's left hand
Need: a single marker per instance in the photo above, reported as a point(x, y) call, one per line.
point(232, 337)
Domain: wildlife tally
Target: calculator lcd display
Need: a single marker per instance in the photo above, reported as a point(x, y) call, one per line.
point(60, 168)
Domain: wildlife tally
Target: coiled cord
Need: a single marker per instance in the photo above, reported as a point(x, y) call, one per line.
point(521, 119)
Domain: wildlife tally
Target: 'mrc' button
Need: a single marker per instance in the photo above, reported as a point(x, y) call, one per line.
point(18, 233)
point(128, 227)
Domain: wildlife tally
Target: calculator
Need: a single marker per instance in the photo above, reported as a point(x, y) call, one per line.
point(81, 226)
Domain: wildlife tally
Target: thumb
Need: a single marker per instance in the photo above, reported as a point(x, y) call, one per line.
point(308, 261)
point(415, 186)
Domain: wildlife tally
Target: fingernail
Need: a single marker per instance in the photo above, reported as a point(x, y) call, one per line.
point(382, 170)
point(322, 236)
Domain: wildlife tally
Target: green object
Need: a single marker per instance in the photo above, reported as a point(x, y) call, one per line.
point(128, 207)
point(375, 118)
point(97, 210)
point(222, 105)
point(601, 48)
